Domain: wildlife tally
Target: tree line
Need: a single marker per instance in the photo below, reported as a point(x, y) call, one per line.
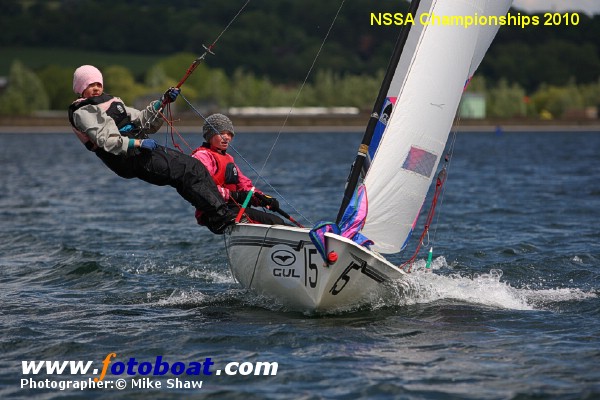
point(264, 55)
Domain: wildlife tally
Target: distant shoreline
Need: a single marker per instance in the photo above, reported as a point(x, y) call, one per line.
point(325, 123)
point(8, 130)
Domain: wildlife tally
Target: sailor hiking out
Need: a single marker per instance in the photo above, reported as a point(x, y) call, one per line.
point(118, 135)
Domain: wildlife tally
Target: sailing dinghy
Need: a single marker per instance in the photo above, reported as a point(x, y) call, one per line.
point(396, 163)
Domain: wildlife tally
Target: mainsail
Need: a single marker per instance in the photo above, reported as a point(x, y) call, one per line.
point(436, 63)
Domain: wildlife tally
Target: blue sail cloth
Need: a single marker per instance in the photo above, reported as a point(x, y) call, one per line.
point(352, 222)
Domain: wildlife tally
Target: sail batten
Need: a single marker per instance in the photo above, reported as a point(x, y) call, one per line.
point(422, 100)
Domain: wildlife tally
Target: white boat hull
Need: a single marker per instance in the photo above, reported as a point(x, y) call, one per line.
point(281, 263)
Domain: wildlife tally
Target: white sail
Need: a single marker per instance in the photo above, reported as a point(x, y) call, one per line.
point(438, 59)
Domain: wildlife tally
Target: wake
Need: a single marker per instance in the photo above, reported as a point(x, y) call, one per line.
point(486, 289)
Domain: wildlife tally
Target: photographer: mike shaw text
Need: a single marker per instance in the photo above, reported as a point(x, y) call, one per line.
point(466, 21)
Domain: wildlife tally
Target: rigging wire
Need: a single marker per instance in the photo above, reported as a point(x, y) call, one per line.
point(190, 70)
point(302, 86)
point(447, 166)
point(440, 180)
point(259, 174)
point(208, 49)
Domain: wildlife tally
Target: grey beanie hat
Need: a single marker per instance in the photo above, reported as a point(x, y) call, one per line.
point(216, 124)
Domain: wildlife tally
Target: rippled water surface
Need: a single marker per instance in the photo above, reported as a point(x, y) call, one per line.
point(91, 264)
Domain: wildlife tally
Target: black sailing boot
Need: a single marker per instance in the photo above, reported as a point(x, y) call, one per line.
point(219, 221)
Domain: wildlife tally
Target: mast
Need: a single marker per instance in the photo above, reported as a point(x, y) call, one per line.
point(359, 166)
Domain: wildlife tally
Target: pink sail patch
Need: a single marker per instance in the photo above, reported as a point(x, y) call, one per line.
point(420, 161)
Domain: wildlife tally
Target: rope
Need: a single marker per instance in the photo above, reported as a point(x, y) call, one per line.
point(168, 118)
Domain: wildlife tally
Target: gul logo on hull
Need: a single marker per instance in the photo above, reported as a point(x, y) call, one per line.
point(283, 258)
point(286, 266)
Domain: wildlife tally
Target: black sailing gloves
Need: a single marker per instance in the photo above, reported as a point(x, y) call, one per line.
point(238, 197)
point(258, 199)
point(267, 201)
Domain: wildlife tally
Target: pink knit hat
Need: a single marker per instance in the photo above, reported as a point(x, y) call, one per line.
point(84, 76)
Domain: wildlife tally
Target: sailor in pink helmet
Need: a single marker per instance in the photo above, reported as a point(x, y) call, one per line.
point(118, 135)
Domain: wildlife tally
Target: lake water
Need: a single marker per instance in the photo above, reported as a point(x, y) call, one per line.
point(91, 264)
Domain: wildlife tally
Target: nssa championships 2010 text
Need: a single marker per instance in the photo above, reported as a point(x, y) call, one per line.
point(466, 21)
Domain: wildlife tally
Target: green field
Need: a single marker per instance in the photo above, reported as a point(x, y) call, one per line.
point(36, 58)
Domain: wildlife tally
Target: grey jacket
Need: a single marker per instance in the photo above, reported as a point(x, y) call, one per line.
point(102, 130)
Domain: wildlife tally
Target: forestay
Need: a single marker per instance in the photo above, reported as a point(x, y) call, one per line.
point(437, 62)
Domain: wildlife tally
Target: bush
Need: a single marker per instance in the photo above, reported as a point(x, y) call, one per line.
point(24, 93)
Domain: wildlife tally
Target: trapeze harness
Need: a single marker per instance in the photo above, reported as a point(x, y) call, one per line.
point(113, 107)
